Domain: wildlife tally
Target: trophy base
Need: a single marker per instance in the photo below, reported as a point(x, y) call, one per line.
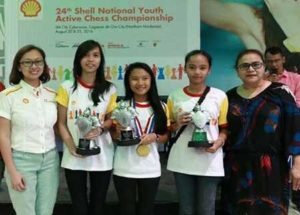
point(128, 142)
point(88, 152)
point(196, 144)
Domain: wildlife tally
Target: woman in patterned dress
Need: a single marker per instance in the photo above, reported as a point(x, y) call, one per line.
point(264, 134)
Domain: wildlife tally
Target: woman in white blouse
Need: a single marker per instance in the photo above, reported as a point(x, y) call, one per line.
point(28, 113)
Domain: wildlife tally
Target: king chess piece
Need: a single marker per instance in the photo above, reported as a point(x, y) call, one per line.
point(85, 123)
point(124, 115)
point(200, 119)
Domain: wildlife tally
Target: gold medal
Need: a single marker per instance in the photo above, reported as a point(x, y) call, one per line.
point(143, 150)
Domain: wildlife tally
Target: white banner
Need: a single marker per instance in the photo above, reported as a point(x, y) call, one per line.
point(158, 32)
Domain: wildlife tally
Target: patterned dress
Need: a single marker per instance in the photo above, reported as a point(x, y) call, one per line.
point(264, 131)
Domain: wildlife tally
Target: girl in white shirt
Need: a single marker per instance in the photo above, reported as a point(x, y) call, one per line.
point(197, 171)
point(89, 90)
point(28, 113)
point(137, 168)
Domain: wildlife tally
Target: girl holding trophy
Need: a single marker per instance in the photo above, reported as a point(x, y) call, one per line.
point(196, 157)
point(84, 107)
point(137, 167)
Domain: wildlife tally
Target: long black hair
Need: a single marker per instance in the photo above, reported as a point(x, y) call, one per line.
point(100, 85)
point(152, 95)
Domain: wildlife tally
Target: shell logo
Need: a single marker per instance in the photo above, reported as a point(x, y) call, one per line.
point(25, 101)
point(30, 8)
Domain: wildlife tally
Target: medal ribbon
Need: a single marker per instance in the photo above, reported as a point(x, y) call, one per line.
point(149, 125)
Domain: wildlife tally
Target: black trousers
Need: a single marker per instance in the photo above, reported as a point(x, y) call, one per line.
point(136, 195)
point(296, 198)
point(82, 203)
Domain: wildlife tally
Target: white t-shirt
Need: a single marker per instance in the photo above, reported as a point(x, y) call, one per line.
point(77, 102)
point(127, 163)
point(32, 113)
point(196, 161)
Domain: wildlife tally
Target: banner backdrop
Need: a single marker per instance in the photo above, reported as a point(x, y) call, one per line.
point(230, 26)
point(158, 32)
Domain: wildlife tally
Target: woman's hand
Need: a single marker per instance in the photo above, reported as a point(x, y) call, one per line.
point(249, 26)
point(286, 13)
point(273, 77)
point(295, 173)
point(148, 138)
point(17, 181)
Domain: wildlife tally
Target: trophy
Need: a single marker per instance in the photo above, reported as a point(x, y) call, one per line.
point(85, 123)
point(200, 118)
point(124, 114)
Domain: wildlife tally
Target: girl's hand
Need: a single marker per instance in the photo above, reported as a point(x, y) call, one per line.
point(115, 131)
point(215, 146)
point(94, 133)
point(17, 182)
point(148, 138)
point(72, 150)
point(183, 118)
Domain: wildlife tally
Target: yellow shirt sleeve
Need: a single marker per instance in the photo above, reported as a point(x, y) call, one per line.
point(168, 117)
point(166, 109)
point(112, 103)
point(170, 108)
point(62, 97)
point(223, 112)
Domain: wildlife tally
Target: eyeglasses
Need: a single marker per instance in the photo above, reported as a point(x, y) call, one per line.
point(29, 63)
point(254, 65)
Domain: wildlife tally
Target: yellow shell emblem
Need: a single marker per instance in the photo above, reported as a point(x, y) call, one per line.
point(30, 8)
point(25, 101)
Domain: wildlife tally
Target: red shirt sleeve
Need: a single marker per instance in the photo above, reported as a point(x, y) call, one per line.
point(2, 87)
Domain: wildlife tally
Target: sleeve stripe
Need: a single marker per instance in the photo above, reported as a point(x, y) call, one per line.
point(13, 90)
